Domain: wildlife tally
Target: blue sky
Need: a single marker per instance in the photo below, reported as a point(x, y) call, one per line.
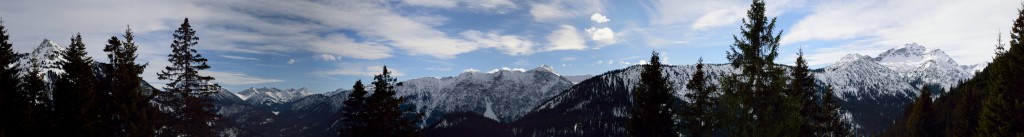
point(325, 45)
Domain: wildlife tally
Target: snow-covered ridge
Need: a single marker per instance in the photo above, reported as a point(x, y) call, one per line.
point(505, 93)
point(916, 63)
point(272, 95)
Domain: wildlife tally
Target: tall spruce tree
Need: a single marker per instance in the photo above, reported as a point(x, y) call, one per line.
point(37, 119)
point(832, 123)
point(919, 118)
point(651, 112)
point(1004, 99)
point(772, 113)
point(354, 113)
point(133, 114)
point(188, 89)
point(802, 89)
point(699, 114)
point(387, 116)
point(9, 79)
point(74, 95)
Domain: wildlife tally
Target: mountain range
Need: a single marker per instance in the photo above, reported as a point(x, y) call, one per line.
point(540, 102)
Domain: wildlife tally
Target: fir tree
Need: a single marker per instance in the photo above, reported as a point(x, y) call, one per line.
point(700, 114)
point(354, 113)
point(772, 113)
point(187, 88)
point(10, 99)
point(802, 90)
point(1004, 101)
point(74, 95)
point(832, 123)
point(651, 113)
point(386, 115)
point(134, 116)
point(919, 118)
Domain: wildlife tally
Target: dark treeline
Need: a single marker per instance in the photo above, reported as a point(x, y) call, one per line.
point(379, 114)
point(90, 98)
point(989, 105)
point(761, 100)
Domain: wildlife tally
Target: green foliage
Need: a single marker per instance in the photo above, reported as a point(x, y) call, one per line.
point(651, 112)
point(773, 112)
point(75, 93)
point(700, 115)
point(831, 124)
point(920, 115)
point(12, 102)
point(187, 89)
point(1004, 104)
point(385, 112)
point(132, 113)
point(354, 113)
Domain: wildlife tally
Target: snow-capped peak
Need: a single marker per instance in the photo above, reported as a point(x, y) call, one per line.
point(272, 95)
point(852, 57)
point(545, 68)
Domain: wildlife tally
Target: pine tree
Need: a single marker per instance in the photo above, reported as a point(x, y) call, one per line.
point(832, 122)
point(188, 89)
point(354, 113)
point(9, 99)
point(760, 77)
point(802, 90)
point(699, 116)
point(651, 113)
point(1004, 99)
point(386, 115)
point(133, 114)
point(918, 121)
point(74, 95)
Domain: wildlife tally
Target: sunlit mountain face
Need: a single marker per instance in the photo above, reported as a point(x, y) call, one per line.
point(509, 68)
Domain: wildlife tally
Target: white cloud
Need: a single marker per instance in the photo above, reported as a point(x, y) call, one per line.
point(951, 26)
point(709, 13)
point(432, 3)
point(597, 17)
point(239, 57)
point(562, 9)
point(721, 17)
point(507, 69)
point(496, 6)
point(326, 57)
point(291, 61)
point(357, 70)
point(565, 38)
point(341, 45)
point(603, 36)
point(471, 70)
point(508, 44)
point(228, 78)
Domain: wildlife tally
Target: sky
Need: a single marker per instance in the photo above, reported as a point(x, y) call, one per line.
point(329, 44)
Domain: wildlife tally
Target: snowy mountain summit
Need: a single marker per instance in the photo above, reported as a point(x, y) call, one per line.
point(503, 94)
point(271, 96)
point(46, 56)
point(916, 63)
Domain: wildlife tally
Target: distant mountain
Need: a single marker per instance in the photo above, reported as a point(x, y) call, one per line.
point(914, 62)
point(873, 92)
point(271, 96)
point(539, 101)
point(578, 78)
point(503, 95)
